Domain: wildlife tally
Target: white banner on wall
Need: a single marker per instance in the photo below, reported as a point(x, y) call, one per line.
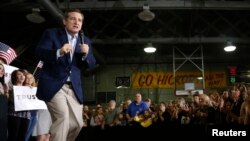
point(185, 92)
point(25, 99)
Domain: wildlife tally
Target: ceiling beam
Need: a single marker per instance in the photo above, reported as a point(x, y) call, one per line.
point(160, 4)
point(173, 40)
point(23, 5)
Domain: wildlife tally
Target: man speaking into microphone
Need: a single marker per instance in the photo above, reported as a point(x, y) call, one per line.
point(64, 52)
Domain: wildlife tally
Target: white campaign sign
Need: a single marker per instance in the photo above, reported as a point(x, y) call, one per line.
point(8, 70)
point(25, 99)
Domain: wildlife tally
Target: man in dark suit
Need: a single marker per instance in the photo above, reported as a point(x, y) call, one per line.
point(64, 53)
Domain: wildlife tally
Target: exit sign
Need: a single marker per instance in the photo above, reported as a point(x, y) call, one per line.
point(232, 70)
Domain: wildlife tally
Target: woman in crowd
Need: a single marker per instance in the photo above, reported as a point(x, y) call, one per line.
point(162, 116)
point(18, 121)
point(4, 94)
point(42, 123)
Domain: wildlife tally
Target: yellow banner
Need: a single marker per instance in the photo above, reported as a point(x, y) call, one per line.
point(166, 80)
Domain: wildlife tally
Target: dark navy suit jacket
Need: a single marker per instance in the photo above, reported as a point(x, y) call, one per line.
point(55, 71)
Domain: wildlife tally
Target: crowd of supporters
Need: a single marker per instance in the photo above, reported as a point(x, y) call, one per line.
point(197, 112)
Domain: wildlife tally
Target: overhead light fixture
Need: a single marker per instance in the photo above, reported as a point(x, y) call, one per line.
point(230, 47)
point(200, 78)
point(35, 16)
point(146, 14)
point(122, 87)
point(149, 48)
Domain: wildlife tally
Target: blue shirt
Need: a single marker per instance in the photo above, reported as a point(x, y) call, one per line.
point(135, 108)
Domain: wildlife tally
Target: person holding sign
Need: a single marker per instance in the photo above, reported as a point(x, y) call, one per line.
point(18, 121)
point(30, 81)
point(41, 119)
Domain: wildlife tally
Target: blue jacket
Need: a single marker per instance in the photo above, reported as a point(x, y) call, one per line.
point(55, 71)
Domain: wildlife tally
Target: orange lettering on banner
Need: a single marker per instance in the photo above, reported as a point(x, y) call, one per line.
point(166, 80)
point(145, 80)
point(141, 80)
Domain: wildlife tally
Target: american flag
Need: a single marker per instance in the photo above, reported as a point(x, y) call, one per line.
point(37, 71)
point(40, 64)
point(7, 53)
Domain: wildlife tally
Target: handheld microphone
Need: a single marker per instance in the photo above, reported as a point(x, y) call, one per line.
point(82, 39)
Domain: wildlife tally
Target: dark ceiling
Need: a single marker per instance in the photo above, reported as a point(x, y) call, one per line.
point(119, 36)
